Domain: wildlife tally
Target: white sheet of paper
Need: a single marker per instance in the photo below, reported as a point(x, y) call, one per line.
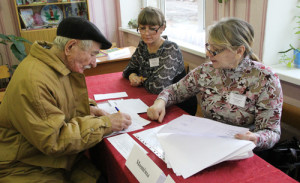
point(119, 53)
point(143, 168)
point(148, 138)
point(134, 105)
point(124, 144)
point(110, 95)
point(124, 105)
point(137, 106)
point(192, 125)
point(188, 155)
point(189, 143)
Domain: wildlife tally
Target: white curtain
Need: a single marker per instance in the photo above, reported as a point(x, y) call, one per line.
point(104, 14)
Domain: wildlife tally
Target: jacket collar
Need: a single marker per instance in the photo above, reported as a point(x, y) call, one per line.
point(41, 49)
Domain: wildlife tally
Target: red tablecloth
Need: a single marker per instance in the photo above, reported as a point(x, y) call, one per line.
point(248, 170)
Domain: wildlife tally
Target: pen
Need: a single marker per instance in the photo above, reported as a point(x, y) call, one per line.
point(117, 109)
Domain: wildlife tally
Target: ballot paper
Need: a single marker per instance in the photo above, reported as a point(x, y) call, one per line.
point(129, 106)
point(110, 95)
point(190, 144)
point(124, 144)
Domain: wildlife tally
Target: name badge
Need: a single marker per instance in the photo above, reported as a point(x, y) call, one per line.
point(237, 99)
point(154, 62)
point(143, 168)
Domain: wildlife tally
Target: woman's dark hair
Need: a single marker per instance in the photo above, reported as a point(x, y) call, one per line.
point(151, 16)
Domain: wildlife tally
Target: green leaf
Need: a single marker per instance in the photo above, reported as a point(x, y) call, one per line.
point(2, 42)
point(285, 51)
point(24, 40)
point(19, 46)
point(4, 37)
point(17, 53)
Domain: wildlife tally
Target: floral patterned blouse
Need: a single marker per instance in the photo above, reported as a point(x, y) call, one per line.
point(169, 70)
point(255, 87)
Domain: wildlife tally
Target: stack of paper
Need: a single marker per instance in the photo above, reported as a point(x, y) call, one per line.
point(191, 144)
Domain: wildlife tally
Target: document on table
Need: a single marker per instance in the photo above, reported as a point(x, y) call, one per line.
point(129, 106)
point(187, 144)
point(124, 105)
point(124, 143)
point(149, 139)
point(110, 95)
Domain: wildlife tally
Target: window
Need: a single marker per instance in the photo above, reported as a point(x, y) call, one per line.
point(185, 21)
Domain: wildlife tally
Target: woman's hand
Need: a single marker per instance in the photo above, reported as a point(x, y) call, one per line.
point(135, 80)
point(247, 136)
point(157, 111)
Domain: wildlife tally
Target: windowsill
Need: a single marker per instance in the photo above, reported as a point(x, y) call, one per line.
point(184, 47)
point(291, 75)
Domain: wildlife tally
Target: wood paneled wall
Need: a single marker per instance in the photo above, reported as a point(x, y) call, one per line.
point(8, 26)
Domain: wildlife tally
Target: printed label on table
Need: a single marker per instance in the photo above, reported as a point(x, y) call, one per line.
point(143, 168)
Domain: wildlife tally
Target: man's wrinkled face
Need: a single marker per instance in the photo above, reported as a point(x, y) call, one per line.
point(79, 59)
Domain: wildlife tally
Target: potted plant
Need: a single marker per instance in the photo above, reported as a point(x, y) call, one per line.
point(295, 59)
point(18, 49)
point(133, 24)
point(16, 46)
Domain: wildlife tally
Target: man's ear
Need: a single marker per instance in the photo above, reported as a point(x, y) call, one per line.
point(70, 44)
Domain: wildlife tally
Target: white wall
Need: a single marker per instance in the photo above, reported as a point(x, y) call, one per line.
point(279, 33)
point(130, 9)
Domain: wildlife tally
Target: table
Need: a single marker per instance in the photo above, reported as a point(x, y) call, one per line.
point(107, 65)
point(249, 170)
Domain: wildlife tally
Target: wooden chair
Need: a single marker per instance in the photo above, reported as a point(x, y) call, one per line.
point(186, 67)
point(4, 79)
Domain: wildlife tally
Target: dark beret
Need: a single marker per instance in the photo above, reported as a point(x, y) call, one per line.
point(82, 29)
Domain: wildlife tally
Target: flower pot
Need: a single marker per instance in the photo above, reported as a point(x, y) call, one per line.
point(297, 58)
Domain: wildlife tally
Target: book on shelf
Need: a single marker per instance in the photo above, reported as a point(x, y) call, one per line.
point(27, 17)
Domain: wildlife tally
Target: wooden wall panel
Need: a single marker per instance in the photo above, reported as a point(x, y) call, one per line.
point(39, 35)
point(8, 26)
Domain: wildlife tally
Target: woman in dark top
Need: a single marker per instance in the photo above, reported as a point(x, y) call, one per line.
point(157, 62)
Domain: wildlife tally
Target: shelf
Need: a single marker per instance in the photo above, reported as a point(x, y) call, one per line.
point(43, 4)
point(39, 20)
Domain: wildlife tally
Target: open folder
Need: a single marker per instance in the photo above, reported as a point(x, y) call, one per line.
point(191, 144)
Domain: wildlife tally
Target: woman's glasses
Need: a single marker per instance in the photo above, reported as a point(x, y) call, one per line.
point(152, 31)
point(214, 53)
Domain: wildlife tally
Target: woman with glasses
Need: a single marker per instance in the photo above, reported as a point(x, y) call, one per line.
point(157, 62)
point(235, 88)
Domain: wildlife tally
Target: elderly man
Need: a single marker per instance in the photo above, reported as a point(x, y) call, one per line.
point(46, 117)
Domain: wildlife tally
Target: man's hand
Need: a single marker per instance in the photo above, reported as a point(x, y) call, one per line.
point(119, 121)
point(157, 111)
point(95, 111)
